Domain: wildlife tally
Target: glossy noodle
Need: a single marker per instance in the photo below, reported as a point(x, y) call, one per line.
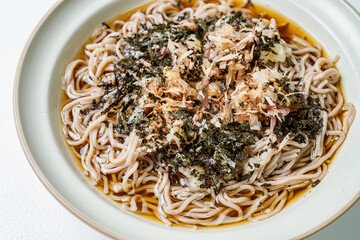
point(202, 114)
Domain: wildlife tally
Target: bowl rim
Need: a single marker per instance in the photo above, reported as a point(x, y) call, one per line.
point(62, 200)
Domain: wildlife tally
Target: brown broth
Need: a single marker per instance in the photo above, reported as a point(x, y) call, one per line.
point(289, 29)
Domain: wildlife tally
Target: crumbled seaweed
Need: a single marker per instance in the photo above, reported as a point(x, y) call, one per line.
point(266, 185)
point(85, 111)
point(221, 154)
point(267, 43)
point(290, 62)
point(302, 123)
point(180, 1)
point(106, 25)
point(236, 20)
point(284, 83)
point(314, 184)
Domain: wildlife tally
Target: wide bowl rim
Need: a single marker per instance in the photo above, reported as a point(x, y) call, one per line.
point(62, 199)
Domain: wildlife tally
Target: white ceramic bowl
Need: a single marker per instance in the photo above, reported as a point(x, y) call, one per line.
point(36, 105)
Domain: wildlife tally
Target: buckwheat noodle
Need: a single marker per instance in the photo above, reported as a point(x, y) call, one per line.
point(129, 174)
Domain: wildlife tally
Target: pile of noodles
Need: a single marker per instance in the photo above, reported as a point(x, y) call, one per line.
point(119, 164)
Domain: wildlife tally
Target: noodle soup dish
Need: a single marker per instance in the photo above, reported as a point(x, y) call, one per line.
point(203, 113)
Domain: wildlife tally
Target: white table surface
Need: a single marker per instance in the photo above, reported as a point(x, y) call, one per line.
point(27, 209)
